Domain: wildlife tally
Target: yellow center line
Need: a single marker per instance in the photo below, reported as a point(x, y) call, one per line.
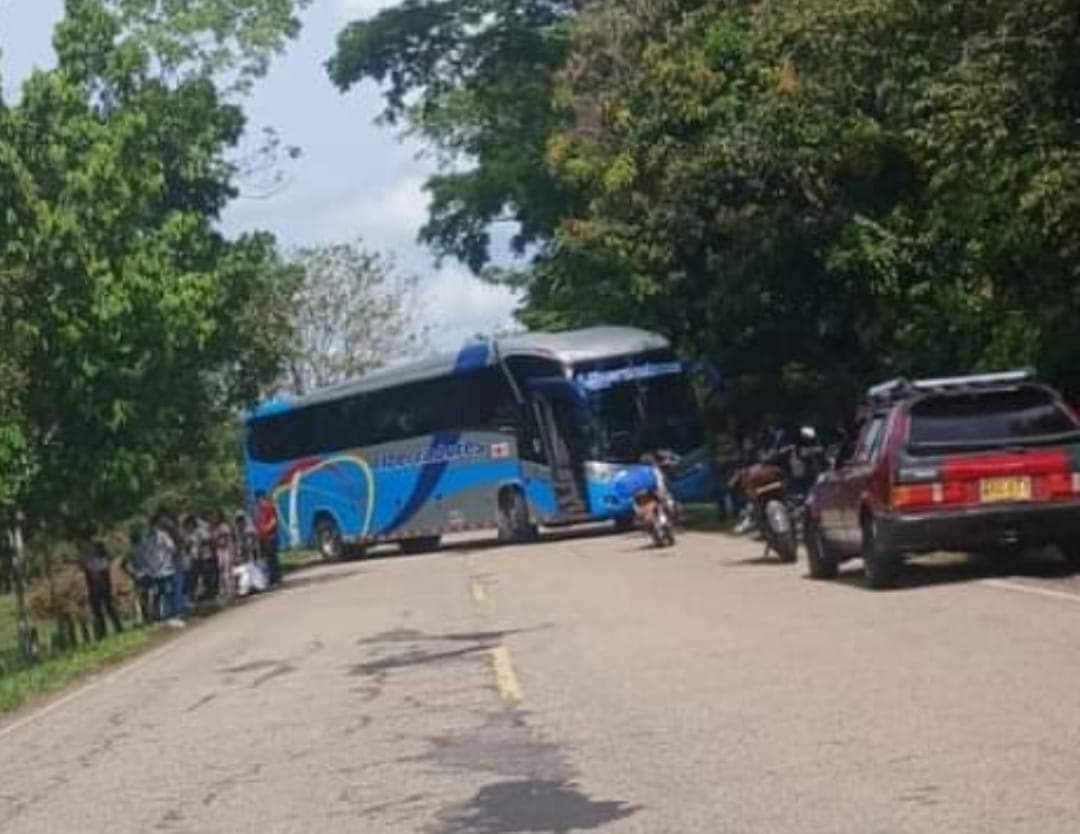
point(506, 679)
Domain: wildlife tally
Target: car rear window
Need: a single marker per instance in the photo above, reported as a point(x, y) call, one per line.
point(989, 417)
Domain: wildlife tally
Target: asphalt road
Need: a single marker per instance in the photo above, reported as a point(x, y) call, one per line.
point(583, 684)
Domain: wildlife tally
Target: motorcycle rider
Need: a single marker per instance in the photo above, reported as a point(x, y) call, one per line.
point(661, 461)
point(807, 460)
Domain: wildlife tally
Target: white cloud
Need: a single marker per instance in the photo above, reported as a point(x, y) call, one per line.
point(457, 306)
point(310, 211)
point(388, 218)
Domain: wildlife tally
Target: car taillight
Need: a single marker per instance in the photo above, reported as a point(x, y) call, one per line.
point(909, 496)
point(925, 486)
point(1063, 484)
point(905, 496)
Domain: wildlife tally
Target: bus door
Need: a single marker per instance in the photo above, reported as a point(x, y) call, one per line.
point(556, 410)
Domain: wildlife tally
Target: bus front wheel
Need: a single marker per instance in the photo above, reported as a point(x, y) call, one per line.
point(514, 523)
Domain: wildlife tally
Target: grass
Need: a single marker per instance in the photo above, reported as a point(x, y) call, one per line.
point(20, 687)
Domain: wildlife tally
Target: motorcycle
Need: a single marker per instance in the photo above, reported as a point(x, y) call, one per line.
point(765, 485)
point(645, 486)
point(774, 507)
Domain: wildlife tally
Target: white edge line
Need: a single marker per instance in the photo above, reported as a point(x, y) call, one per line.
point(1006, 585)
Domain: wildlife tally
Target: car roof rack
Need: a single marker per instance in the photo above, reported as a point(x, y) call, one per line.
point(901, 387)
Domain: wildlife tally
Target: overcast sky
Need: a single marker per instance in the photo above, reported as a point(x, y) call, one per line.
point(353, 179)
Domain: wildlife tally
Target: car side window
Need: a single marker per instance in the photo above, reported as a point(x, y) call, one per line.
point(870, 441)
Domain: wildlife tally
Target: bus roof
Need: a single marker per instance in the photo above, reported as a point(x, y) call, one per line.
point(574, 346)
point(569, 347)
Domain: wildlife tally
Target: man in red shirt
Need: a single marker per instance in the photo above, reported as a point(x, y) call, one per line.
point(266, 526)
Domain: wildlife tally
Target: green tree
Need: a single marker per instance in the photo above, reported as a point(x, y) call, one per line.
point(15, 190)
point(474, 80)
point(143, 325)
point(860, 186)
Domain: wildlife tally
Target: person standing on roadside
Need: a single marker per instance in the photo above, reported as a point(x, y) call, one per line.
point(266, 526)
point(97, 569)
point(247, 539)
point(202, 582)
point(223, 547)
point(136, 564)
point(186, 568)
point(167, 563)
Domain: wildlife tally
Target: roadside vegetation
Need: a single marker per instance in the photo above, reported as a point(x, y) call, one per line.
point(25, 684)
point(133, 332)
point(830, 191)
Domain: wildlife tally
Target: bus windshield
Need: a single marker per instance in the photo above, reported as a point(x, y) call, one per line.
point(635, 416)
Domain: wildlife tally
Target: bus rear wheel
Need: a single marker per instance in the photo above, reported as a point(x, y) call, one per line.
point(328, 539)
point(513, 517)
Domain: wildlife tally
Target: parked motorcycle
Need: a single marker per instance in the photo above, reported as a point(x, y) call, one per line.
point(775, 488)
point(765, 486)
point(645, 485)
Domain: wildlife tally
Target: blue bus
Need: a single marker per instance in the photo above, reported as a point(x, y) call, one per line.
point(508, 435)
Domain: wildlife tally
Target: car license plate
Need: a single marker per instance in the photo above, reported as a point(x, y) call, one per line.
point(992, 490)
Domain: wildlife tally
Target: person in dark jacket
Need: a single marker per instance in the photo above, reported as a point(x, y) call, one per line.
point(97, 568)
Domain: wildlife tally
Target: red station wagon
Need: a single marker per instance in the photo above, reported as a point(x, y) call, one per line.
point(977, 463)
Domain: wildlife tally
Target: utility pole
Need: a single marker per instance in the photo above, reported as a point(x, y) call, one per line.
point(26, 648)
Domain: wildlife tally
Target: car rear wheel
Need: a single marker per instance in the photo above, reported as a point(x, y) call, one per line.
point(820, 559)
point(880, 568)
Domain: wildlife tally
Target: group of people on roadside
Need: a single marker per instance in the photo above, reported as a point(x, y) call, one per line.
point(176, 562)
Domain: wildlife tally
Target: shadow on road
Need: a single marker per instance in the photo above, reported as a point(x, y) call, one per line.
point(554, 536)
point(955, 568)
point(319, 575)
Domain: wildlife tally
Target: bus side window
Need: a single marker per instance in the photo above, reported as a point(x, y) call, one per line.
point(487, 402)
point(353, 421)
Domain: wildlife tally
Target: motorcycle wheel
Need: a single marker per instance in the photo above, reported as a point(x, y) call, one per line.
point(781, 532)
point(661, 530)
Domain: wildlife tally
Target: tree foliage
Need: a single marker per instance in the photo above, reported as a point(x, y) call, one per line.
point(352, 312)
point(865, 185)
point(854, 187)
point(137, 325)
point(473, 79)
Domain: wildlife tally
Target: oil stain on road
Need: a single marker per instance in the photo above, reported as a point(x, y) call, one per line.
point(530, 805)
point(538, 791)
